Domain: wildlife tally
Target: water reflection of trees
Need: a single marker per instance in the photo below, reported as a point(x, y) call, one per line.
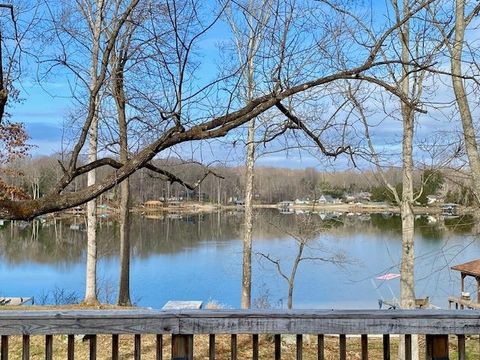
point(55, 243)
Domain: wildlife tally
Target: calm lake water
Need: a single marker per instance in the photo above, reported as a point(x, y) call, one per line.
point(198, 257)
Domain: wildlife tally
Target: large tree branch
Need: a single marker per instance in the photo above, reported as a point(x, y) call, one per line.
point(373, 152)
point(168, 176)
point(301, 125)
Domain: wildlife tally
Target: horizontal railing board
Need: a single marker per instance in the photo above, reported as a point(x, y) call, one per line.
point(144, 321)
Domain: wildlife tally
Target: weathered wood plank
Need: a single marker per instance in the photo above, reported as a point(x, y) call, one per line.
point(26, 347)
point(71, 347)
point(239, 321)
point(184, 305)
point(291, 325)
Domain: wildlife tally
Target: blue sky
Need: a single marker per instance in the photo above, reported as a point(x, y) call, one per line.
point(43, 115)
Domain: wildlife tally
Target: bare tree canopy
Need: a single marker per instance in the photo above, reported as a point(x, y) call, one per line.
point(169, 103)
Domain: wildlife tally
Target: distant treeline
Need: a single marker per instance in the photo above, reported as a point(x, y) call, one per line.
point(37, 176)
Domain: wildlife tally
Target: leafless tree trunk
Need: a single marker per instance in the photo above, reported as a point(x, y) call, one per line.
point(249, 191)
point(407, 282)
point(414, 91)
point(248, 227)
point(307, 230)
point(91, 269)
point(124, 208)
point(247, 45)
point(471, 145)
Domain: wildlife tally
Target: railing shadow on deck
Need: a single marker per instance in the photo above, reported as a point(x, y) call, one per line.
point(183, 325)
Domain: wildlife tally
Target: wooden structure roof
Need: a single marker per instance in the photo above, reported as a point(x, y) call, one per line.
point(471, 268)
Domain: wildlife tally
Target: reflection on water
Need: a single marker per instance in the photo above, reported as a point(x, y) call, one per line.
point(198, 257)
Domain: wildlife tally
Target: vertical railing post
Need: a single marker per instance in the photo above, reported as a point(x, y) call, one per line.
point(4, 350)
point(408, 347)
point(211, 347)
point(182, 347)
point(321, 347)
point(182, 344)
point(71, 347)
point(278, 347)
point(461, 347)
point(26, 347)
point(436, 347)
point(343, 346)
point(255, 346)
point(48, 347)
point(364, 347)
point(233, 347)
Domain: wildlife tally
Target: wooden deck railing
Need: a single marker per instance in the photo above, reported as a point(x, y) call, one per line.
point(184, 325)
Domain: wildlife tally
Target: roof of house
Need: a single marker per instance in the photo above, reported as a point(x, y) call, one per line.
point(152, 202)
point(328, 197)
point(470, 268)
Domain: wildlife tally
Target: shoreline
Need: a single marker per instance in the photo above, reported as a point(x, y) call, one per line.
point(198, 208)
point(344, 208)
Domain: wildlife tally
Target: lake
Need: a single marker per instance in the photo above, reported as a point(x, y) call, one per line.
point(198, 257)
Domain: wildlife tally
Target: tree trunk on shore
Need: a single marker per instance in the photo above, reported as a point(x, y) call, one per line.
point(248, 228)
point(255, 15)
point(120, 101)
point(407, 267)
point(469, 135)
point(91, 268)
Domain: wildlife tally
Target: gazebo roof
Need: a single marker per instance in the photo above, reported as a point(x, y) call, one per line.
point(471, 268)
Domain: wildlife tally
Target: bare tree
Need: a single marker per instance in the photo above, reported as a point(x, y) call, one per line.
point(306, 231)
point(456, 49)
point(96, 15)
point(191, 117)
point(119, 60)
point(248, 21)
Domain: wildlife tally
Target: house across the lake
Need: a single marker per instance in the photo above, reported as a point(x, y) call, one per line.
point(450, 209)
point(285, 204)
point(303, 201)
point(328, 199)
point(433, 199)
point(360, 197)
point(153, 205)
